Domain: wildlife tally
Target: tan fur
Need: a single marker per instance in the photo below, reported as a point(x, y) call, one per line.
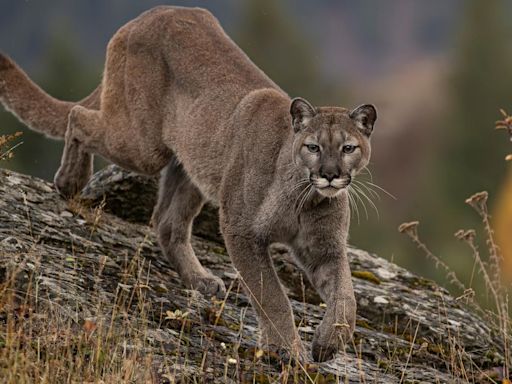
point(179, 95)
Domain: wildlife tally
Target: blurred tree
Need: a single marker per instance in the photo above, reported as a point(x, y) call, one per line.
point(66, 76)
point(269, 37)
point(481, 85)
point(469, 158)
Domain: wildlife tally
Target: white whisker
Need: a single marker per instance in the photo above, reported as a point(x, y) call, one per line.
point(356, 193)
point(369, 172)
point(299, 197)
point(352, 203)
point(371, 191)
point(360, 190)
point(304, 197)
point(382, 189)
point(299, 184)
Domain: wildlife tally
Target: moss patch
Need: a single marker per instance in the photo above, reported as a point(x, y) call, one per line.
point(366, 275)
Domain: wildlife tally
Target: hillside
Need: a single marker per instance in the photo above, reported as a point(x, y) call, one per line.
point(86, 295)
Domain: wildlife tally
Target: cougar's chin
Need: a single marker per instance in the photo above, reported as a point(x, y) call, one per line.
point(329, 191)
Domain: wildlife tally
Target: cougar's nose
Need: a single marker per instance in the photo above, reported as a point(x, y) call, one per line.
point(329, 173)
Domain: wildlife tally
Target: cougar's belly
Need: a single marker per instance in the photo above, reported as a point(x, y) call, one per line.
point(199, 145)
point(203, 164)
point(144, 158)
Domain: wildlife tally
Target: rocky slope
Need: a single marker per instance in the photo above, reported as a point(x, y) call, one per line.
point(90, 267)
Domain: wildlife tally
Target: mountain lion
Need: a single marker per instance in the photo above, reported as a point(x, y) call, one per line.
point(179, 96)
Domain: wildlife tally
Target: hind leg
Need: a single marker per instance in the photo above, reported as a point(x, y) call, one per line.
point(77, 163)
point(89, 132)
point(179, 202)
point(127, 128)
point(77, 160)
point(75, 170)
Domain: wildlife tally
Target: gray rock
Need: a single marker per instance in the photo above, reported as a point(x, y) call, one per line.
point(90, 261)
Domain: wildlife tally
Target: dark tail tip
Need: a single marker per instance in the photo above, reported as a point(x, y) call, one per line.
point(5, 62)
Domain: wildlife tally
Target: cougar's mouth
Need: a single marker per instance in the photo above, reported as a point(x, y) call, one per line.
point(330, 188)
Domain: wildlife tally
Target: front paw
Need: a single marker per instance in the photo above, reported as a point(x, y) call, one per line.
point(286, 354)
point(332, 335)
point(327, 342)
point(207, 284)
point(323, 353)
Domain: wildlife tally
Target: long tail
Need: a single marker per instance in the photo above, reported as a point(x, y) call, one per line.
point(33, 106)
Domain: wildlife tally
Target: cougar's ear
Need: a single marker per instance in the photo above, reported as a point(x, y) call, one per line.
point(302, 111)
point(364, 116)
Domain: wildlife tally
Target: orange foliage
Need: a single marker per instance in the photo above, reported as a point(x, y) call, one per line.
point(503, 209)
point(503, 225)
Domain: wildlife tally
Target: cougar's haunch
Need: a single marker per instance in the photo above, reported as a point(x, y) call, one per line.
point(179, 96)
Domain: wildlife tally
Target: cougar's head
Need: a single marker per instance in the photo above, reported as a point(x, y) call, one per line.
point(331, 145)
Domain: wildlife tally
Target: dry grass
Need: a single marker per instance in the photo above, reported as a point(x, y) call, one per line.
point(488, 268)
point(506, 124)
point(7, 147)
point(45, 341)
point(40, 344)
point(489, 271)
point(40, 341)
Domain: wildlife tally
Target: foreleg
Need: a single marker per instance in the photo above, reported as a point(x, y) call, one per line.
point(326, 265)
point(266, 293)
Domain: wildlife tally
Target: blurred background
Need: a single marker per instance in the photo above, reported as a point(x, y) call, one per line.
point(438, 73)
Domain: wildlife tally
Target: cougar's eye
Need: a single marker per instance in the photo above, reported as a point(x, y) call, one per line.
point(348, 148)
point(313, 148)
